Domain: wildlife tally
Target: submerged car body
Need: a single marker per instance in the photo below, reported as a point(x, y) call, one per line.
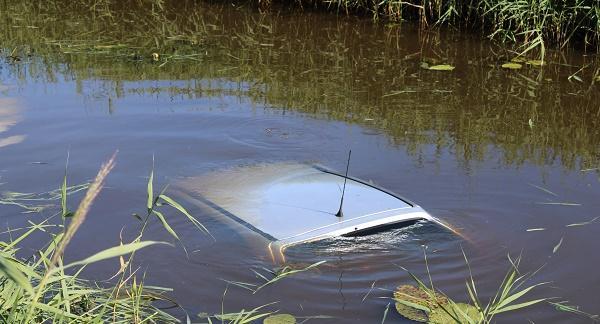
point(290, 204)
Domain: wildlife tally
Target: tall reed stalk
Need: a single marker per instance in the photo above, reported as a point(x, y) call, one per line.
point(40, 289)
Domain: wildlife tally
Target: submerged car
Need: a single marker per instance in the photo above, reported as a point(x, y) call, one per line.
point(290, 204)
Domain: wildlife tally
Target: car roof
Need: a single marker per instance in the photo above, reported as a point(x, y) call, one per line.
point(292, 202)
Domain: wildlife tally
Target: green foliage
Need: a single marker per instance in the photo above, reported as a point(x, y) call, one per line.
point(533, 25)
point(563, 306)
point(410, 312)
point(422, 304)
point(425, 304)
point(280, 319)
point(441, 67)
point(37, 202)
point(269, 276)
point(41, 289)
point(419, 297)
point(241, 317)
point(512, 66)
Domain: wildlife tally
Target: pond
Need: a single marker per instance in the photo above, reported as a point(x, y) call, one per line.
point(508, 157)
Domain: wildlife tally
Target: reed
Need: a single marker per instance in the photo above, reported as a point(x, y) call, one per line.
point(219, 51)
point(41, 288)
point(425, 303)
point(532, 25)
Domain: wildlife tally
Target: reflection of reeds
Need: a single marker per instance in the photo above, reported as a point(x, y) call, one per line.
point(348, 71)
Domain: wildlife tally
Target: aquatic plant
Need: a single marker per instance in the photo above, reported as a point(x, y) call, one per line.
point(42, 288)
point(280, 319)
point(274, 274)
point(415, 303)
point(530, 24)
point(286, 65)
point(426, 304)
point(422, 305)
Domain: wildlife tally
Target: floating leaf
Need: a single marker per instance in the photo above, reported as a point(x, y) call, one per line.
point(280, 319)
point(562, 306)
point(411, 313)
point(583, 223)
point(440, 317)
point(418, 296)
point(385, 313)
point(557, 246)
point(543, 189)
point(575, 77)
point(536, 62)
point(459, 311)
point(414, 303)
point(425, 65)
point(535, 229)
point(559, 203)
point(589, 169)
point(512, 66)
point(518, 60)
point(441, 67)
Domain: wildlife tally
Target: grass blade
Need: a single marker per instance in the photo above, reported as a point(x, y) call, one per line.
point(166, 225)
point(114, 252)
point(519, 306)
point(13, 273)
point(150, 191)
point(182, 210)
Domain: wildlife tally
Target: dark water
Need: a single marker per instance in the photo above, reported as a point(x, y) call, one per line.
point(235, 87)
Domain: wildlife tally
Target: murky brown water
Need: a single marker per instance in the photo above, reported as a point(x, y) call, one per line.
point(235, 87)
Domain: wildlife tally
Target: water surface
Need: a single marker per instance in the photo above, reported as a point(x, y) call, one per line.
point(234, 87)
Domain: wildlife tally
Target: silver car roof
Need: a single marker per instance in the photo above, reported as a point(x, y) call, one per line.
point(294, 203)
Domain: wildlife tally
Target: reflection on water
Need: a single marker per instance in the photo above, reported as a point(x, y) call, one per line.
point(232, 87)
point(9, 116)
point(339, 71)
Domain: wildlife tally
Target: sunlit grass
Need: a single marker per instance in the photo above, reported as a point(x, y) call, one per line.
point(41, 288)
point(531, 25)
point(426, 303)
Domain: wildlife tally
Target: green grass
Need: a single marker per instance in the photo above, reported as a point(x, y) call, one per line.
point(532, 25)
point(40, 288)
point(426, 303)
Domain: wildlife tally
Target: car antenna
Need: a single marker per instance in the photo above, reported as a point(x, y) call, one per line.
point(340, 213)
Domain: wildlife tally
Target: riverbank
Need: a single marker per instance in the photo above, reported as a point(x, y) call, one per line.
point(531, 26)
point(527, 27)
